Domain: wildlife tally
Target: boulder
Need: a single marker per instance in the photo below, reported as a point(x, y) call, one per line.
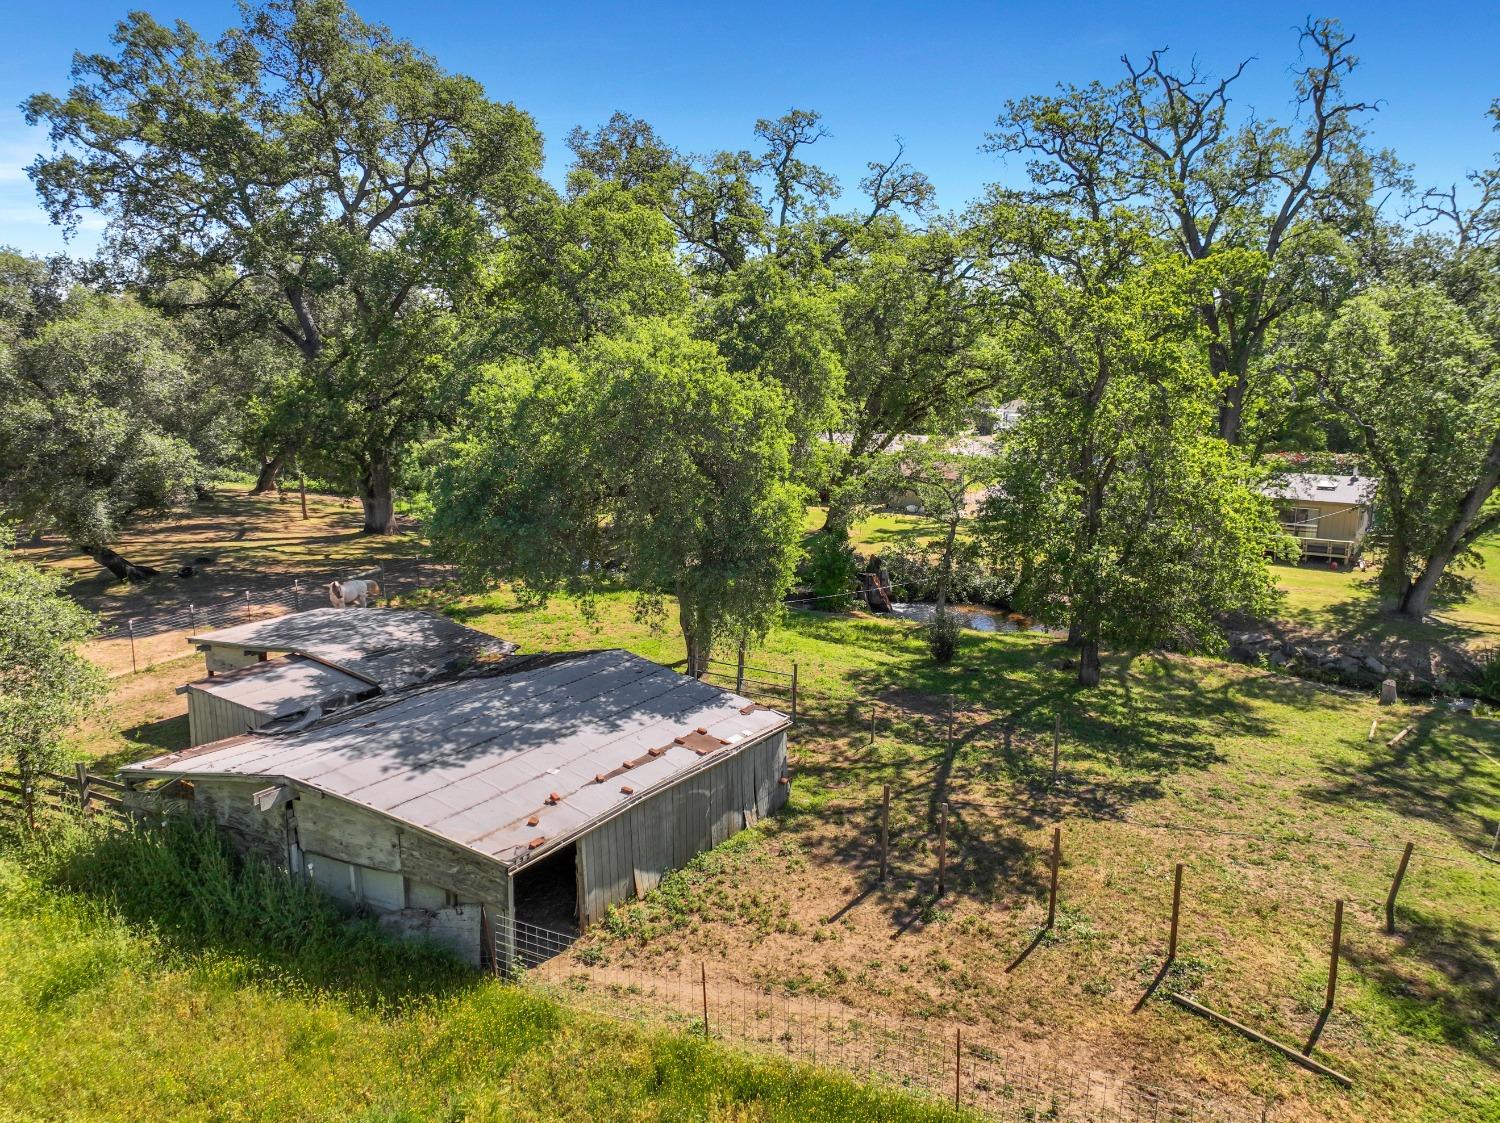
point(1374, 666)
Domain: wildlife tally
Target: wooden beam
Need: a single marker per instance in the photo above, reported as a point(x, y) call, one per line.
point(1255, 1035)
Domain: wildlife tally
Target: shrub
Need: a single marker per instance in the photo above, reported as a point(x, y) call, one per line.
point(941, 633)
point(831, 568)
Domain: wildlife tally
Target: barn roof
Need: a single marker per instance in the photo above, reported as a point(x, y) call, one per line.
point(286, 685)
point(391, 647)
point(1309, 487)
point(470, 760)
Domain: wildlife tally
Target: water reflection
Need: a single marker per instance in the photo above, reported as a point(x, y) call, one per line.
point(973, 617)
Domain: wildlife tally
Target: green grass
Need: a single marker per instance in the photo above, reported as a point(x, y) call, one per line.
point(145, 977)
point(1263, 784)
point(1347, 605)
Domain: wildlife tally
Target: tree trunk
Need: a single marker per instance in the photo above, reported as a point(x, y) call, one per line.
point(1414, 602)
point(379, 500)
point(697, 650)
point(123, 569)
point(1088, 663)
point(270, 473)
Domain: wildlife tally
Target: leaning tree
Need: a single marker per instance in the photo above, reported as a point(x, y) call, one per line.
point(324, 181)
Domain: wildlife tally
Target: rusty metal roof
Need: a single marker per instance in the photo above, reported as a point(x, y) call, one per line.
point(289, 684)
point(472, 760)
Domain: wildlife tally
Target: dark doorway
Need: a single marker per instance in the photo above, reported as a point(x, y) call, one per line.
point(546, 904)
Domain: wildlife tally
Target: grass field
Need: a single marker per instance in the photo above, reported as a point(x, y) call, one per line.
point(1264, 786)
point(141, 982)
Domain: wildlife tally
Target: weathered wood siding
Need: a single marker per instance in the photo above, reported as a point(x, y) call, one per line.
point(211, 718)
point(358, 856)
point(221, 657)
point(627, 855)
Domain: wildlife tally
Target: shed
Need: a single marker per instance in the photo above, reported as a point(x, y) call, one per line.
point(328, 657)
point(1328, 515)
point(284, 688)
point(537, 793)
point(390, 647)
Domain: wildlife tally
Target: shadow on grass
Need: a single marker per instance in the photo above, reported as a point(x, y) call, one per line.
point(1438, 773)
point(166, 735)
point(1455, 995)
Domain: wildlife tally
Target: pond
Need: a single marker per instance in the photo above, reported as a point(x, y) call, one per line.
point(974, 617)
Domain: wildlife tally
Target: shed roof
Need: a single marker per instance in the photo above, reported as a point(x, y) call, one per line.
point(289, 684)
point(1309, 487)
point(470, 760)
point(391, 647)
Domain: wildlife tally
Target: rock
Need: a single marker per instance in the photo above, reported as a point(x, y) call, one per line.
point(1462, 705)
point(1388, 692)
point(1347, 665)
point(1279, 658)
point(1374, 666)
point(186, 571)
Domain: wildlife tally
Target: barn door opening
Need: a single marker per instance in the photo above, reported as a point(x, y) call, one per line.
point(546, 905)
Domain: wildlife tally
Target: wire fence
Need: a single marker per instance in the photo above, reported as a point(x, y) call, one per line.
point(141, 642)
point(959, 1064)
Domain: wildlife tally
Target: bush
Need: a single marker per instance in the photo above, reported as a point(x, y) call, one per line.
point(941, 634)
point(831, 568)
point(913, 573)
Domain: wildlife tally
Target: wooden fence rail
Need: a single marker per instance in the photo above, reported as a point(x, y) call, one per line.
point(53, 791)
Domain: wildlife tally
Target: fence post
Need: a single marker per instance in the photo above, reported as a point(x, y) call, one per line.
point(1056, 743)
point(1390, 901)
point(872, 723)
point(794, 691)
point(302, 488)
point(192, 619)
point(1333, 977)
point(942, 849)
point(958, 1064)
point(130, 628)
point(885, 831)
point(1056, 861)
point(81, 773)
point(703, 977)
point(1176, 911)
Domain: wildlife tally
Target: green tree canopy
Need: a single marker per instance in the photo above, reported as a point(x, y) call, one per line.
point(1120, 513)
point(328, 183)
point(100, 409)
point(46, 685)
point(1417, 380)
point(637, 459)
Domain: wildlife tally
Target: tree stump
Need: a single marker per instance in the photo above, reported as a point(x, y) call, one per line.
point(1388, 692)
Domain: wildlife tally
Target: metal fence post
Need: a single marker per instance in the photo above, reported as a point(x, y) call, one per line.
point(703, 978)
point(296, 594)
point(885, 831)
point(1056, 861)
point(739, 671)
point(130, 629)
point(794, 691)
point(942, 849)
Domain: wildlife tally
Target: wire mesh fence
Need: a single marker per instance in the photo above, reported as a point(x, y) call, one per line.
point(140, 642)
point(959, 1064)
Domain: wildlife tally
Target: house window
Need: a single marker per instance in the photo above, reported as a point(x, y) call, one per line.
point(1301, 521)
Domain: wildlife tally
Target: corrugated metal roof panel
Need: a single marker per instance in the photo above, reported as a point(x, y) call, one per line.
point(470, 760)
point(391, 647)
point(287, 685)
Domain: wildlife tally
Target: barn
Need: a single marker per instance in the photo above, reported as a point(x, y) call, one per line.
point(282, 668)
point(531, 795)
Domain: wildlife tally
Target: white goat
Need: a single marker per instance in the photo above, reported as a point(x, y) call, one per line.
point(348, 594)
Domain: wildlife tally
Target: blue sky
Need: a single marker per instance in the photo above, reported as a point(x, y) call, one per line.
point(935, 74)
